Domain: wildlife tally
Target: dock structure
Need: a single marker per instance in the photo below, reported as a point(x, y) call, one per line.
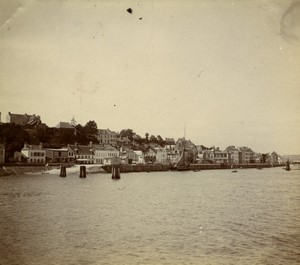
point(126, 168)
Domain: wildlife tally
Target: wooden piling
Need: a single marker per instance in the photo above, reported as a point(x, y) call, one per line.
point(63, 171)
point(82, 172)
point(115, 170)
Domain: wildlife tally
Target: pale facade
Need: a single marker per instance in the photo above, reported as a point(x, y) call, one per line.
point(105, 154)
point(82, 154)
point(106, 136)
point(140, 157)
point(34, 153)
point(161, 155)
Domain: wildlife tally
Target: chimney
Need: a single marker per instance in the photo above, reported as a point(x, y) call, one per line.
point(25, 145)
point(91, 144)
point(41, 146)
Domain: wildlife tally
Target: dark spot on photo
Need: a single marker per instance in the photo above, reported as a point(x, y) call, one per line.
point(129, 10)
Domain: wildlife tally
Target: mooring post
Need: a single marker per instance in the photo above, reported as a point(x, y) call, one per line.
point(63, 171)
point(118, 175)
point(115, 170)
point(112, 172)
point(82, 172)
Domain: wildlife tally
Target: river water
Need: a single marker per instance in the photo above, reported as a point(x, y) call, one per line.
point(206, 217)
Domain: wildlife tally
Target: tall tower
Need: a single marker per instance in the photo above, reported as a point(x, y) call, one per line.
point(73, 122)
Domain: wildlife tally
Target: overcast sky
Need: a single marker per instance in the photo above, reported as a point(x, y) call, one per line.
point(230, 70)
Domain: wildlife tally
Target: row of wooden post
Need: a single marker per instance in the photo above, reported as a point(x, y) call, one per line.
point(63, 171)
point(115, 170)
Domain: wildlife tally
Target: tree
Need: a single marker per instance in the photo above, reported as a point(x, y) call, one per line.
point(80, 135)
point(14, 137)
point(127, 133)
point(91, 128)
point(153, 139)
point(161, 141)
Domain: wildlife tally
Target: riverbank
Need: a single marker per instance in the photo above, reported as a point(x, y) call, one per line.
point(21, 169)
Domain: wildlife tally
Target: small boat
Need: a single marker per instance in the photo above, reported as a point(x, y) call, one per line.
point(234, 171)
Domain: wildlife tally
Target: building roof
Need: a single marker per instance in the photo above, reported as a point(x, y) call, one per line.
point(170, 141)
point(58, 149)
point(149, 147)
point(33, 147)
point(64, 125)
point(82, 149)
point(106, 148)
point(106, 132)
point(24, 119)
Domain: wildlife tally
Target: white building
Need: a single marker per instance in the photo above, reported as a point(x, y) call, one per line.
point(161, 155)
point(105, 153)
point(140, 157)
point(34, 153)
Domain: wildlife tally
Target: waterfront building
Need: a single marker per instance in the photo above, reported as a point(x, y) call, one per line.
point(246, 154)
point(150, 154)
point(106, 136)
point(2, 153)
point(173, 156)
point(172, 153)
point(71, 154)
point(127, 155)
point(83, 154)
point(60, 155)
point(216, 156)
point(221, 157)
point(155, 153)
point(161, 155)
point(235, 155)
point(34, 153)
point(170, 144)
point(140, 157)
point(103, 154)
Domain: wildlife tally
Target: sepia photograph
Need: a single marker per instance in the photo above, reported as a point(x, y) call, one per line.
point(149, 132)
